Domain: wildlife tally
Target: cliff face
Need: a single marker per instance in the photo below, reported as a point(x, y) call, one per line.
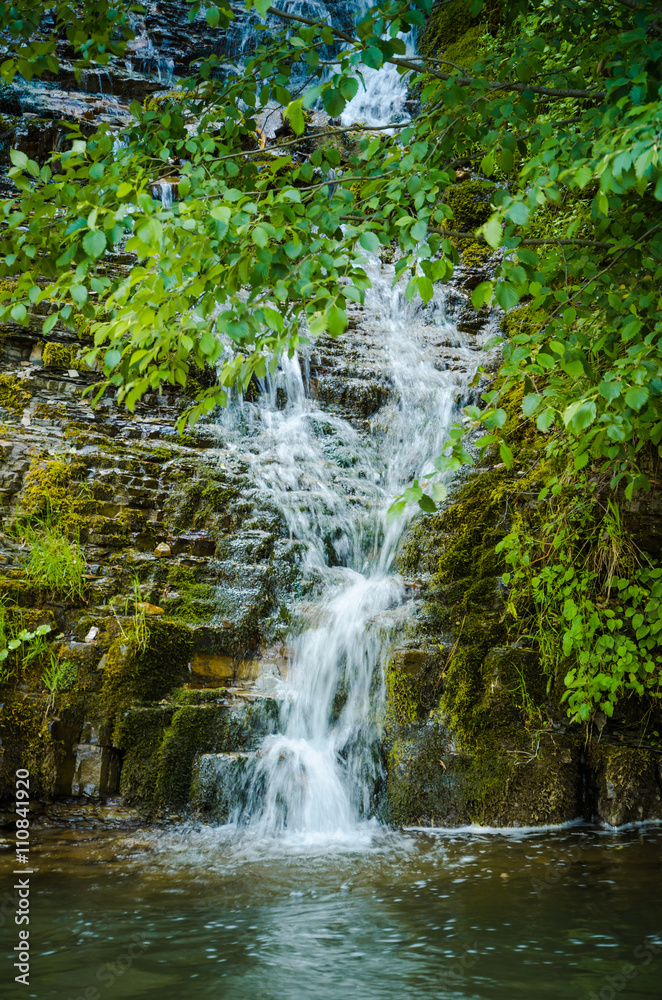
point(192, 581)
point(476, 731)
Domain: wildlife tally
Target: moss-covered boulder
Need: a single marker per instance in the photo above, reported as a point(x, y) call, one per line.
point(147, 662)
point(431, 781)
point(160, 743)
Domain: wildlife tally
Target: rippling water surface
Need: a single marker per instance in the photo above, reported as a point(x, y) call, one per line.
point(459, 915)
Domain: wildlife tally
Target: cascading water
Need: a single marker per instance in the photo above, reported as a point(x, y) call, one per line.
point(333, 485)
point(382, 93)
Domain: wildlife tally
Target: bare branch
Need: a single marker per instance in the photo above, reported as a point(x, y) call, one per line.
point(552, 241)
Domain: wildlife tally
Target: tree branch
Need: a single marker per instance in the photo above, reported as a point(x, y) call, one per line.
point(470, 157)
point(462, 81)
point(552, 241)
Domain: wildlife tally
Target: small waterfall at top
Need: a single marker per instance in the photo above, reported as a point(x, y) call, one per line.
point(333, 484)
point(380, 99)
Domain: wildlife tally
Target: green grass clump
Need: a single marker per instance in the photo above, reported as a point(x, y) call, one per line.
point(56, 562)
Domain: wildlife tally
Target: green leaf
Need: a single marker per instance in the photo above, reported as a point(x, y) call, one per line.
point(79, 294)
point(18, 159)
point(518, 213)
point(112, 358)
point(262, 7)
point(294, 112)
point(637, 396)
point(506, 455)
point(260, 238)
point(481, 294)
point(337, 321)
point(425, 288)
point(372, 57)
point(213, 16)
point(334, 103)
point(506, 295)
point(610, 390)
point(579, 415)
point(419, 230)
point(531, 403)
point(545, 419)
point(493, 232)
point(94, 243)
point(427, 504)
point(370, 242)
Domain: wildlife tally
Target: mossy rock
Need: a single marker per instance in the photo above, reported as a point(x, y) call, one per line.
point(60, 356)
point(160, 745)
point(14, 396)
point(474, 253)
point(522, 319)
point(27, 742)
point(139, 733)
point(187, 599)
point(56, 491)
point(150, 669)
point(446, 24)
point(469, 48)
point(470, 202)
point(625, 783)
point(449, 23)
point(516, 783)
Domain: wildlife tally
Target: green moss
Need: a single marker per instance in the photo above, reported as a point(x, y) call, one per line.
point(523, 319)
point(56, 491)
point(139, 733)
point(196, 502)
point(403, 696)
point(27, 742)
point(469, 48)
point(191, 601)
point(147, 670)
point(501, 781)
point(195, 729)
point(13, 394)
point(161, 743)
point(445, 25)
point(474, 254)
point(161, 102)
point(62, 356)
point(470, 202)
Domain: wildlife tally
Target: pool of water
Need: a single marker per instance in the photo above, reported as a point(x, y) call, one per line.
point(455, 915)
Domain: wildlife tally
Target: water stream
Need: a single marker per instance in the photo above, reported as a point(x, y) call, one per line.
point(303, 894)
point(333, 484)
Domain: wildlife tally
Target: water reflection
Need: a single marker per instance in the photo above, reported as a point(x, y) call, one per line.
point(475, 915)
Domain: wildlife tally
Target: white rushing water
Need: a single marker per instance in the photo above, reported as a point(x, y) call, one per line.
point(318, 775)
point(334, 485)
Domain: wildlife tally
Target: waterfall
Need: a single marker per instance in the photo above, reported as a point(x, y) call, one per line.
point(382, 92)
point(333, 483)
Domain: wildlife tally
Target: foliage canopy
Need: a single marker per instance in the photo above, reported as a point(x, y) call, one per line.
point(561, 108)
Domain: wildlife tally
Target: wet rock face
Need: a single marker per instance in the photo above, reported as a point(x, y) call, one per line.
point(625, 784)
point(473, 734)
